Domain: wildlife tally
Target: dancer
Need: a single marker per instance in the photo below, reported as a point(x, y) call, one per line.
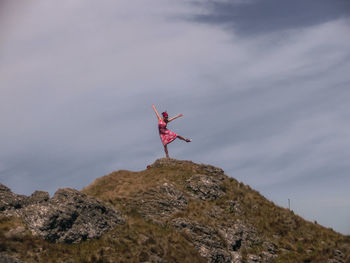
point(166, 135)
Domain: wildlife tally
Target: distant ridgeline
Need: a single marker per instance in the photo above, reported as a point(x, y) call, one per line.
point(174, 211)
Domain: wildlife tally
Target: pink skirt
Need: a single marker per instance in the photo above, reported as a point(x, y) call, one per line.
point(166, 136)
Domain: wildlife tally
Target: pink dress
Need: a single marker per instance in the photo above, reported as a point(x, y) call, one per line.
point(166, 136)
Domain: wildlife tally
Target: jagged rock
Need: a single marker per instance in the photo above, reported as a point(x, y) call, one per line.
point(223, 243)
point(338, 254)
point(4, 258)
point(160, 203)
point(38, 197)
point(12, 204)
point(205, 187)
point(270, 247)
point(270, 252)
point(70, 217)
point(212, 170)
point(9, 200)
point(239, 235)
point(339, 257)
point(205, 239)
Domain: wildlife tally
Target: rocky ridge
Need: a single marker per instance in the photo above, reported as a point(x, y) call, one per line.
point(217, 218)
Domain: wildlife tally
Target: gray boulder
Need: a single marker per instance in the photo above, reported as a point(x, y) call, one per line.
point(70, 217)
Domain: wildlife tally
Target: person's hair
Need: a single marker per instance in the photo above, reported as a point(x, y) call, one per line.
point(165, 114)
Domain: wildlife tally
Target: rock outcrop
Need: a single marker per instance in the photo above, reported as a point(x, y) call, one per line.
point(9, 200)
point(206, 239)
point(205, 187)
point(223, 243)
point(160, 203)
point(217, 242)
point(69, 217)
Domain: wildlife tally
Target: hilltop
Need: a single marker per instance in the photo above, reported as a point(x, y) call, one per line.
point(174, 211)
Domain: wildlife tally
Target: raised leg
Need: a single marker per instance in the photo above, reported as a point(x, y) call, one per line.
point(184, 139)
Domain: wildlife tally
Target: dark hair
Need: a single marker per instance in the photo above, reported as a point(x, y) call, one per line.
point(165, 114)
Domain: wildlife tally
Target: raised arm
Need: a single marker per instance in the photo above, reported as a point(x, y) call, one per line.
point(173, 118)
point(155, 110)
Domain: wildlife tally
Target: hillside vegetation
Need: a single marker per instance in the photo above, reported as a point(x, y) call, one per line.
point(179, 211)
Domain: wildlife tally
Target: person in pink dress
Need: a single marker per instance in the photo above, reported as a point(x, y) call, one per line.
point(167, 136)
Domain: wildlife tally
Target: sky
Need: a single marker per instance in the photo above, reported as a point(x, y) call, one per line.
point(263, 86)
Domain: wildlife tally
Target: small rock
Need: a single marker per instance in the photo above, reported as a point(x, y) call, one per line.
point(339, 254)
point(268, 257)
point(253, 258)
point(17, 232)
point(270, 247)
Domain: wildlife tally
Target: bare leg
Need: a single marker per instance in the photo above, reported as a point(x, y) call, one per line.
point(182, 138)
point(166, 151)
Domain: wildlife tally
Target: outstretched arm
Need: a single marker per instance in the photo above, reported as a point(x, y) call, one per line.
point(173, 118)
point(155, 110)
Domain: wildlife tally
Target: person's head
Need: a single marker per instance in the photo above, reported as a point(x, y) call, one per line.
point(165, 116)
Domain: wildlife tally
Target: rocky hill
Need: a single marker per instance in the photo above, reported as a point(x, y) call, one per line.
point(174, 211)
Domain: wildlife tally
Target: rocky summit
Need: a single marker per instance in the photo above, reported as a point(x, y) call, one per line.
point(174, 211)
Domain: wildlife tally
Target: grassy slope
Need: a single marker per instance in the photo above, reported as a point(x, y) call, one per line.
point(300, 240)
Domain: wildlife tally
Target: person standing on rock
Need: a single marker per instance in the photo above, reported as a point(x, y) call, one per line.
point(166, 135)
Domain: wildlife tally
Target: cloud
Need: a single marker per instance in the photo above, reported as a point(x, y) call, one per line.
point(249, 18)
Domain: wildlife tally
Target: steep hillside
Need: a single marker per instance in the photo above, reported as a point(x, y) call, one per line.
point(174, 211)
